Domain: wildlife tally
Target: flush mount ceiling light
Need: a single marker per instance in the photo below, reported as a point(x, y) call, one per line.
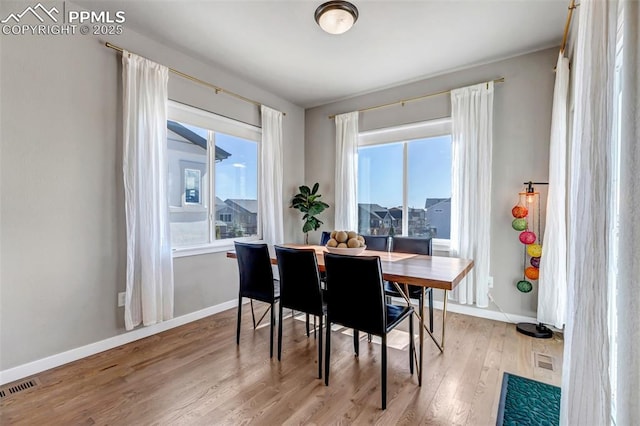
point(336, 17)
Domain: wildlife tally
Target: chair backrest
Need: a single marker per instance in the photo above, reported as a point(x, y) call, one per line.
point(324, 239)
point(376, 242)
point(355, 296)
point(299, 280)
point(256, 275)
point(414, 245)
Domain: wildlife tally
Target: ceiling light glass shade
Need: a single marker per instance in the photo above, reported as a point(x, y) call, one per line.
point(336, 17)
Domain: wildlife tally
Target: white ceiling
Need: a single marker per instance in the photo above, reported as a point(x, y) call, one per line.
point(278, 46)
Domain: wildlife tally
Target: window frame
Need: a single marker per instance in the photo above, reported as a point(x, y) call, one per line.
point(404, 134)
point(214, 123)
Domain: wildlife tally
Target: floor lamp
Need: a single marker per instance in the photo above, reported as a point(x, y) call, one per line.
point(526, 218)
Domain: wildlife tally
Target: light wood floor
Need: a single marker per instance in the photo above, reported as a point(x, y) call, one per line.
point(196, 375)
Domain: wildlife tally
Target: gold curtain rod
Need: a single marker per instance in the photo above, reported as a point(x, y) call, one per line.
point(417, 98)
point(567, 25)
point(215, 88)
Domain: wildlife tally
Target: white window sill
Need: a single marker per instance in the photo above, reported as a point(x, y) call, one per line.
point(194, 208)
point(219, 247)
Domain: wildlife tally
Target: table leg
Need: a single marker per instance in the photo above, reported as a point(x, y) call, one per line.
point(444, 317)
point(422, 327)
point(440, 344)
point(420, 314)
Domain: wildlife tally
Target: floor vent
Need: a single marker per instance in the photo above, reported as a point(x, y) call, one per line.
point(543, 361)
point(7, 391)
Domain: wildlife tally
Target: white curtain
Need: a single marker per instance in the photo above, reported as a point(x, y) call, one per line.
point(346, 177)
point(586, 390)
point(271, 165)
point(552, 289)
point(472, 140)
point(149, 292)
point(628, 265)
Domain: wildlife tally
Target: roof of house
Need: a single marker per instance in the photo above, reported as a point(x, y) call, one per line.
point(373, 210)
point(250, 206)
point(433, 201)
point(195, 139)
point(396, 212)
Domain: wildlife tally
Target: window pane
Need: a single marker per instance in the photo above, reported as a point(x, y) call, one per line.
point(188, 184)
point(380, 189)
point(236, 187)
point(429, 187)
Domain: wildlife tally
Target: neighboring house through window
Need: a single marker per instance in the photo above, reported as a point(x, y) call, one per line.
point(404, 181)
point(213, 178)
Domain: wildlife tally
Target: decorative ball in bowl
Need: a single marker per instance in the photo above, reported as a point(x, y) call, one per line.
point(346, 242)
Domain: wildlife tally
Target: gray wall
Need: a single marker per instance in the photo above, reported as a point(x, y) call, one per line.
point(62, 211)
point(522, 120)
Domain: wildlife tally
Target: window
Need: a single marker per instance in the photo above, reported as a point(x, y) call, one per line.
point(192, 183)
point(404, 180)
point(213, 178)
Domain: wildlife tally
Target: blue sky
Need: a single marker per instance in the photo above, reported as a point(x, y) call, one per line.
point(237, 176)
point(429, 172)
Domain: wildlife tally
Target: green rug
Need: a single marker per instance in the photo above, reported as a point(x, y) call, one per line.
point(528, 402)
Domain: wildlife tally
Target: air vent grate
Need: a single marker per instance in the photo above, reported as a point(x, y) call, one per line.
point(7, 391)
point(543, 361)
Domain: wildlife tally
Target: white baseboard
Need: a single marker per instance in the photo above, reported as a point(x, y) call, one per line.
point(34, 367)
point(474, 311)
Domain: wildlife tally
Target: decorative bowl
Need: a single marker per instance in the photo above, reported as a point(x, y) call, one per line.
point(350, 251)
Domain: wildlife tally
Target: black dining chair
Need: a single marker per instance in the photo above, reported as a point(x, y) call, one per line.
point(300, 289)
point(376, 242)
point(256, 283)
point(355, 299)
point(413, 245)
point(324, 238)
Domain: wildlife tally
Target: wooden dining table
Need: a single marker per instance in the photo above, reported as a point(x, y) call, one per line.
point(403, 269)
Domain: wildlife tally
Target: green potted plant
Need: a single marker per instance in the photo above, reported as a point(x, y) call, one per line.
point(307, 202)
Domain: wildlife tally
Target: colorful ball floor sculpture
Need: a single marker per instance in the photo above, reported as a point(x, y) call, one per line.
point(532, 273)
point(534, 250)
point(525, 224)
point(519, 211)
point(527, 237)
point(519, 224)
point(524, 286)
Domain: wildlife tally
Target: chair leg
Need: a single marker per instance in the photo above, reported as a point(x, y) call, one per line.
point(307, 325)
point(314, 327)
point(431, 310)
point(271, 332)
point(239, 319)
point(411, 343)
point(280, 332)
point(253, 316)
point(319, 347)
point(384, 371)
point(327, 353)
point(356, 342)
